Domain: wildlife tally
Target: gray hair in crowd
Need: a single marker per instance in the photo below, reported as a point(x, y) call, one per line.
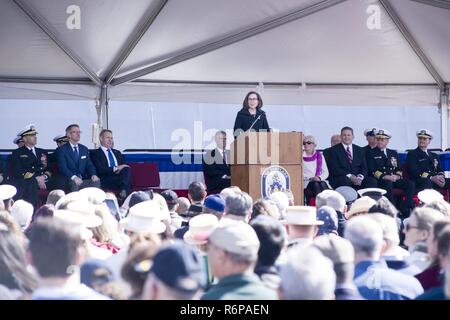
point(389, 227)
point(307, 275)
point(332, 199)
point(54, 196)
point(426, 217)
point(439, 205)
point(239, 204)
point(365, 234)
point(281, 200)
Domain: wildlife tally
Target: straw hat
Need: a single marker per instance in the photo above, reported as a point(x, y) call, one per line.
point(80, 212)
point(302, 216)
point(361, 205)
point(144, 217)
point(429, 195)
point(94, 195)
point(7, 191)
point(200, 227)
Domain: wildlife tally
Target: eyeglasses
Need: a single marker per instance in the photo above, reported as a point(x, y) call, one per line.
point(75, 132)
point(409, 227)
point(307, 142)
point(253, 99)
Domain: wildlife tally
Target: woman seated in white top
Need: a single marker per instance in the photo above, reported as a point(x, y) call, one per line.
point(315, 169)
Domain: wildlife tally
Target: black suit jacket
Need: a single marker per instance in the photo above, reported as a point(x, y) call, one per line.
point(379, 165)
point(244, 121)
point(25, 165)
point(101, 162)
point(421, 165)
point(214, 169)
point(339, 165)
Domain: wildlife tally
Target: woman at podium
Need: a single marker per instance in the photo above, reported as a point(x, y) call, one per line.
point(251, 117)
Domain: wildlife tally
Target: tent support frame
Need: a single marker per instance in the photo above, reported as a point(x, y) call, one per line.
point(435, 3)
point(228, 40)
point(141, 29)
point(45, 26)
point(413, 43)
point(444, 96)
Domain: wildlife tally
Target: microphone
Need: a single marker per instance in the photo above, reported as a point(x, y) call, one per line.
point(254, 122)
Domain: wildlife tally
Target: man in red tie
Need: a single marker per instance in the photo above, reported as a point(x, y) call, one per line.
point(348, 166)
point(216, 166)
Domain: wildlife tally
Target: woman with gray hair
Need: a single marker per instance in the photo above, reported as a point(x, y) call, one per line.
point(417, 230)
point(315, 169)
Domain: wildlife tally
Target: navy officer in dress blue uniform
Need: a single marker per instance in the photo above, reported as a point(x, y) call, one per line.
point(110, 165)
point(383, 165)
point(371, 140)
point(30, 167)
point(423, 166)
point(74, 162)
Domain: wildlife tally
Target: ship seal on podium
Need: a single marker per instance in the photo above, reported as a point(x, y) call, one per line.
point(273, 179)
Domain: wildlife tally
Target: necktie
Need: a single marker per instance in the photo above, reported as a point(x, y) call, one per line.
point(75, 151)
point(112, 163)
point(224, 157)
point(34, 152)
point(349, 155)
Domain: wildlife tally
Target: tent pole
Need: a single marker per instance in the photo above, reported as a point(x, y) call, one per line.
point(102, 120)
point(444, 118)
point(101, 107)
point(435, 3)
point(229, 39)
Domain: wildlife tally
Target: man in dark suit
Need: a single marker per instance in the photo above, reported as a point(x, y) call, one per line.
point(113, 172)
point(348, 165)
point(424, 167)
point(335, 139)
point(383, 165)
point(216, 168)
point(75, 163)
point(29, 167)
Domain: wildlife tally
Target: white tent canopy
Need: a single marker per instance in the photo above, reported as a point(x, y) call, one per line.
point(297, 52)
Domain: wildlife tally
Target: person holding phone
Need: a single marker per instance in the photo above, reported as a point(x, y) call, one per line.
point(251, 117)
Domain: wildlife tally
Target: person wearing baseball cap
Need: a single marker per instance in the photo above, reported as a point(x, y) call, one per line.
point(233, 251)
point(171, 198)
point(424, 167)
point(383, 165)
point(177, 273)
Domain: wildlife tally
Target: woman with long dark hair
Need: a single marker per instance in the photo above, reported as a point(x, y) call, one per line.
point(251, 116)
point(14, 274)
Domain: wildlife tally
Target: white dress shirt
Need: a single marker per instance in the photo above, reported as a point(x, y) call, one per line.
point(105, 151)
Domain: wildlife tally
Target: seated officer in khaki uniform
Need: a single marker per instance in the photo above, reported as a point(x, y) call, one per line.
point(382, 164)
point(423, 165)
point(29, 167)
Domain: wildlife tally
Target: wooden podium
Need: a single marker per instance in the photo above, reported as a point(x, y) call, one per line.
point(263, 162)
